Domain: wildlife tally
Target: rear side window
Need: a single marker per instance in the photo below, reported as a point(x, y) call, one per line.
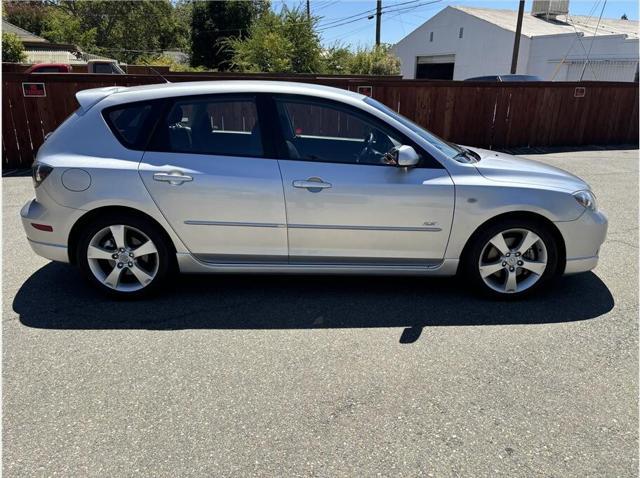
point(102, 68)
point(130, 123)
point(224, 126)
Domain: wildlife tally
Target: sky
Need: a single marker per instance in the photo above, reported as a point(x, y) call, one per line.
point(345, 21)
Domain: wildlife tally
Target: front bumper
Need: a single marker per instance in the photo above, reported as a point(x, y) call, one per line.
point(583, 238)
point(49, 244)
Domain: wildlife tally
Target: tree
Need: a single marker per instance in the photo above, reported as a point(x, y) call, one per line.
point(212, 23)
point(12, 48)
point(61, 27)
point(29, 15)
point(278, 42)
point(124, 30)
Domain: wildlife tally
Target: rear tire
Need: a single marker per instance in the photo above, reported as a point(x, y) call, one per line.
point(511, 259)
point(124, 255)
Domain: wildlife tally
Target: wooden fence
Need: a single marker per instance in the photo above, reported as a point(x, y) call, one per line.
point(490, 115)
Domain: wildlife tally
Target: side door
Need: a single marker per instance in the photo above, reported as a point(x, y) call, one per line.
point(345, 203)
point(212, 177)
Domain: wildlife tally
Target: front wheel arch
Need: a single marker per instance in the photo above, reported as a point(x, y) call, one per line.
point(87, 218)
point(526, 216)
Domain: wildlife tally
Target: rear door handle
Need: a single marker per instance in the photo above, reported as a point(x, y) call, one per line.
point(311, 183)
point(174, 177)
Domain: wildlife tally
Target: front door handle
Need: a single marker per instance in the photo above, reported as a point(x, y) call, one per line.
point(174, 177)
point(311, 184)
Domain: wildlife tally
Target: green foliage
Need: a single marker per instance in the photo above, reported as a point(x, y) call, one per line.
point(12, 48)
point(60, 27)
point(124, 30)
point(220, 35)
point(163, 60)
point(300, 30)
point(29, 15)
point(374, 61)
point(285, 42)
point(212, 23)
point(336, 60)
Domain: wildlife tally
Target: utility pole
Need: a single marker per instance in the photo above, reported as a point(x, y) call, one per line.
point(378, 20)
point(308, 9)
point(516, 42)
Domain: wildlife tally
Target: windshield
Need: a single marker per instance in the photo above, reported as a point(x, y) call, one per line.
point(451, 150)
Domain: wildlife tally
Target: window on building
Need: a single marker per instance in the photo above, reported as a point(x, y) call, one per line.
point(430, 36)
point(461, 32)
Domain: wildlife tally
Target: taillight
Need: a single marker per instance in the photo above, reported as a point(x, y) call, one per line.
point(40, 172)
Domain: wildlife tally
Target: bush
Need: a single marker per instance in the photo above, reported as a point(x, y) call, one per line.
point(284, 42)
point(375, 61)
point(12, 48)
point(163, 60)
point(340, 60)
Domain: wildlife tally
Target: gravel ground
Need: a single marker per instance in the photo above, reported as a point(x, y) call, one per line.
point(325, 376)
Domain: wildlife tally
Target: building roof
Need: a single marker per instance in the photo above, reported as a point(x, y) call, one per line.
point(533, 26)
point(23, 34)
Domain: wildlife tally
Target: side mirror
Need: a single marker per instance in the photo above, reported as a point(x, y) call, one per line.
point(406, 156)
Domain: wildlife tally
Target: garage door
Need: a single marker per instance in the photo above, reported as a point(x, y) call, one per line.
point(435, 67)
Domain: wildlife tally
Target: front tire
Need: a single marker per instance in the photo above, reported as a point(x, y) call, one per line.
point(512, 258)
point(124, 256)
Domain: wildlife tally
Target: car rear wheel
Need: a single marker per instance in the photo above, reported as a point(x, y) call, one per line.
point(512, 258)
point(124, 256)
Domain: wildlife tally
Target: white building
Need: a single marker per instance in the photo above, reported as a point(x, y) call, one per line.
point(461, 42)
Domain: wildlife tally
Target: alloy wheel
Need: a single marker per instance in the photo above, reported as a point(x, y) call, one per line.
point(123, 258)
point(513, 261)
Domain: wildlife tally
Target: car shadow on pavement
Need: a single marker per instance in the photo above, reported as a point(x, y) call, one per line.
point(57, 297)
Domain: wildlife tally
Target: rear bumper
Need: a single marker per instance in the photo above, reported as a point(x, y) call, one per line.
point(583, 238)
point(49, 244)
point(54, 252)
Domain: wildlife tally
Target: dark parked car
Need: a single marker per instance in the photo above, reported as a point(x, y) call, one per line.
point(501, 78)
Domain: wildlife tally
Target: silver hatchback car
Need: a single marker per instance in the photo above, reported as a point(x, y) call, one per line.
point(258, 176)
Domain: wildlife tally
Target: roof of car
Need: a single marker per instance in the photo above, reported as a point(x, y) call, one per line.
point(228, 86)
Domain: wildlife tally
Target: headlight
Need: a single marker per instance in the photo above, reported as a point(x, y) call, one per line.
point(586, 199)
point(40, 172)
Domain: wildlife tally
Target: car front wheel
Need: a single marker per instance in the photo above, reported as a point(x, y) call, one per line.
point(512, 258)
point(124, 256)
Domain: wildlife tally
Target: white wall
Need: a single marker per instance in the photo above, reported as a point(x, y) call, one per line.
point(547, 53)
point(484, 49)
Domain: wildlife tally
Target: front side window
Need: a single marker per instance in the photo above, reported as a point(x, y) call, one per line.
point(209, 125)
point(451, 150)
point(321, 131)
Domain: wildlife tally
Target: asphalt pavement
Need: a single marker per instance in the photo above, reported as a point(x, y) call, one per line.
point(326, 376)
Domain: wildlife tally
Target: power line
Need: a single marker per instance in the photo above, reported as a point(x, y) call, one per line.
point(368, 13)
point(593, 40)
point(577, 38)
point(325, 27)
point(341, 36)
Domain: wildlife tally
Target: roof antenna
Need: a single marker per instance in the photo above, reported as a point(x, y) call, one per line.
point(157, 73)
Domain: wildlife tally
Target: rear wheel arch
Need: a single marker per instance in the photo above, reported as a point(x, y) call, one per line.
point(526, 216)
point(87, 218)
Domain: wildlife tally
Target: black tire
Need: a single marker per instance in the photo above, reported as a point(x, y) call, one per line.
point(165, 255)
point(471, 258)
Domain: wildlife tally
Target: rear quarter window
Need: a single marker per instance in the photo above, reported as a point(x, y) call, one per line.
point(132, 123)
